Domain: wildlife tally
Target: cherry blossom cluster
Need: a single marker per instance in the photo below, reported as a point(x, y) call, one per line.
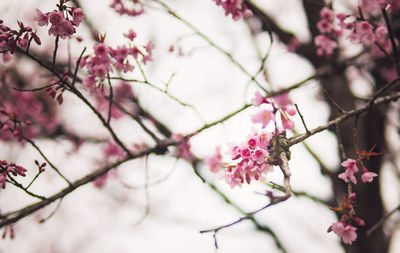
point(19, 109)
point(101, 63)
point(375, 6)
point(236, 8)
point(280, 104)
point(251, 156)
point(251, 160)
point(11, 127)
point(344, 227)
point(351, 167)
point(62, 21)
point(10, 39)
point(353, 29)
point(135, 9)
point(12, 168)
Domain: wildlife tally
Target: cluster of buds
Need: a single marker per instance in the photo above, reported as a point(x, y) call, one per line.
point(10, 39)
point(11, 125)
point(9, 168)
point(344, 228)
point(55, 90)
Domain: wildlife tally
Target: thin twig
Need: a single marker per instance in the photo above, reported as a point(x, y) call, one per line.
point(302, 119)
point(110, 98)
point(341, 110)
point(78, 62)
point(382, 220)
point(53, 212)
point(55, 52)
point(47, 160)
point(18, 185)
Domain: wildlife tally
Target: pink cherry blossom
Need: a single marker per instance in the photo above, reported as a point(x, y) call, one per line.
point(287, 124)
point(130, 35)
point(263, 117)
point(327, 14)
point(325, 45)
point(345, 231)
point(56, 17)
point(337, 228)
point(215, 162)
point(349, 234)
point(367, 176)
point(249, 161)
point(351, 168)
point(234, 7)
point(42, 19)
point(258, 99)
point(77, 15)
point(324, 26)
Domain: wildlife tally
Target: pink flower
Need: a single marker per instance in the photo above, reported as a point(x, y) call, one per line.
point(77, 15)
point(263, 140)
point(346, 232)
point(351, 168)
point(283, 100)
point(258, 99)
point(149, 47)
point(364, 27)
point(325, 45)
point(286, 123)
point(367, 176)
point(349, 234)
point(350, 163)
point(100, 50)
point(235, 7)
point(324, 26)
point(215, 162)
point(259, 156)
point(337, 228)
point(130, 35)
point(42, 19)
point(327, 14)
point(263, 117)
point(63, 29)
point(56, 17)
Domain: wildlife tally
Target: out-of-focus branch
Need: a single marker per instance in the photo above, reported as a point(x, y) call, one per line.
point(299, 138)
point(381, 221)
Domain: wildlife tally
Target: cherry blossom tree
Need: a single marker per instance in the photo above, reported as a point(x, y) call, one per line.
point(138, 113)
